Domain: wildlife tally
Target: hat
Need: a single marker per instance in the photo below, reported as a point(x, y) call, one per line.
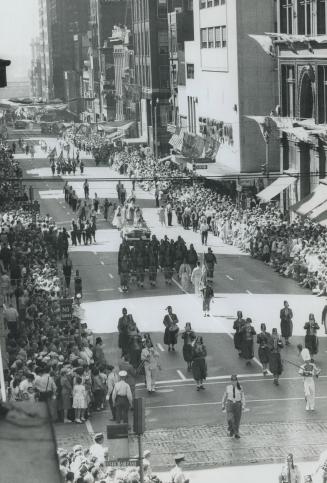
point(179, 458)
point(98, 436)
point(78, 296)
point(77, 447)
point(122, 374)
point(233, 377)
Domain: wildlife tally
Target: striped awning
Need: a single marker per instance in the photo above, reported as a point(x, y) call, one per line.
point(310, 204)
point(176, 141)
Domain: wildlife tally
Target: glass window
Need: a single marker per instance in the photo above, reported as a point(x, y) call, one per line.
point(217, 37)
point(164, 76)
point(322, 94)
point(203, 3)
point(210, 38)
point(204, 38)
point(321, 17)
point(209, 3)
point(304, 17)
point(190, 71)
point(216, 3)
point(224, 36)
point(286, 16)
point(162, 8)
point(163, 41)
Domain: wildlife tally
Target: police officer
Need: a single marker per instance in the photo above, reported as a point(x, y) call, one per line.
point(122, 398)
point(176, 474)
point(234, 402)
point(309, 370)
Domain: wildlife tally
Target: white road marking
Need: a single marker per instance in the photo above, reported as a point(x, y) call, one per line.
point(212, 378)
point(102, 262)
point(229, 278)
point(89, 426)
point(248, 292)
point(106, 290)
point(179, 286)
point(110, 275)
point(248, 401)
point(162, 349)
point(181, 375)
point(95, 253)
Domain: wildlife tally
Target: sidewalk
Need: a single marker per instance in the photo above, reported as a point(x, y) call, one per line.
point(241, 474)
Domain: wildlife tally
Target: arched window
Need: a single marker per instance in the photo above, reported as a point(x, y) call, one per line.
point(306, 97)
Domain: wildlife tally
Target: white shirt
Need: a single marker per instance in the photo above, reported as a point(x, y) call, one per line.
point(177, 475)
point(99, 452)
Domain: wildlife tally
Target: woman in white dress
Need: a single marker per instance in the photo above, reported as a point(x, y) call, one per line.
point(117, 220)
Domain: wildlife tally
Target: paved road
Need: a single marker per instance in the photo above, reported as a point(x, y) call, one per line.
point(180, 418)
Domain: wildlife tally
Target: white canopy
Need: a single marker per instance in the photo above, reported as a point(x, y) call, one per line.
point(276, 187)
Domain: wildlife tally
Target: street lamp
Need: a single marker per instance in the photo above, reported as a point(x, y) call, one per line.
point(156, 130)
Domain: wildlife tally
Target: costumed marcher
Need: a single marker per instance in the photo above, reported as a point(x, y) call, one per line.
point(247, 334)
point(207, 296)
point(199, 365)
point(150, 358)
point(263, 350)
point(290, 472)
point(275, 361)
point(311, 341)
point(286, 323)
point(238, 325)
point(188, 337)
point(309, 371)
point(171, 332)
point(122, 332)
point(185, 275)
point(196, 279)
point(122, 398)
point(210, 261)
point(234, 403)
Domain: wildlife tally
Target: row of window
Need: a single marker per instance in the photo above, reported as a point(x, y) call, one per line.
point(141, 9)
point(303, 17)
point(304, 105)
point(213, 37)
point(211, 3)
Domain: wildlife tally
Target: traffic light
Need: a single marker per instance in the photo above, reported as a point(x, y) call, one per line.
point(264, 168)
point(3, 74)
point(139, 416)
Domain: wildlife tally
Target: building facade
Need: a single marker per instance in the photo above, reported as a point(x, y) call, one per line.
point(45, 50)
point(152, 74)
point(122, 52)
point(35, 74)
point(301, 47)
point(229, 77)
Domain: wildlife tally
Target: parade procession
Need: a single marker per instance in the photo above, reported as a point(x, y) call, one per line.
point(163, 241)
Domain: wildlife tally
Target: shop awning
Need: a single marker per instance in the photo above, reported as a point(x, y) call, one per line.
point(311, 202)
point(275, 188)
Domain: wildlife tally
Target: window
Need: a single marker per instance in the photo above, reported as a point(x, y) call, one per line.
point(219, 2)
point(321, 17)
point(190, 71)
point(286, 16)
point(304, 17)
point(322, 94)
point(163, 41)
point(217, 37)
point(164, 76)
point(224, 36)
point(210, 38)
point(204, 38)
point(203, 3)
point(209, 3)
point(162, 8)
point(288, 91)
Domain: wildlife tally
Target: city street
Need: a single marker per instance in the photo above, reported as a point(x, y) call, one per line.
point(240, 283)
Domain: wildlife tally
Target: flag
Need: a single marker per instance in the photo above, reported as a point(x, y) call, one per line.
point(52, 153)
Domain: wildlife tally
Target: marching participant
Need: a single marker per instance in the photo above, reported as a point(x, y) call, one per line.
point(171, 332)
point(150, 358)
point(309, 370)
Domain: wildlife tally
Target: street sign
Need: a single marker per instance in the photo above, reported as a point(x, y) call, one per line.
point(200, 166)
point(66, 309)
point(122, 463)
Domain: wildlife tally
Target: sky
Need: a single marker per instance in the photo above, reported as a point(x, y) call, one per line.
point(18, 25)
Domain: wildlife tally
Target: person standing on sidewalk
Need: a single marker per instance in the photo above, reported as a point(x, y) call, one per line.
point(290, 472)
point(234, 403)
point(111, 381)
point(177, 474)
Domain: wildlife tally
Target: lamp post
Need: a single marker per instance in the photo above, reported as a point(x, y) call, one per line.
point(156, 130)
